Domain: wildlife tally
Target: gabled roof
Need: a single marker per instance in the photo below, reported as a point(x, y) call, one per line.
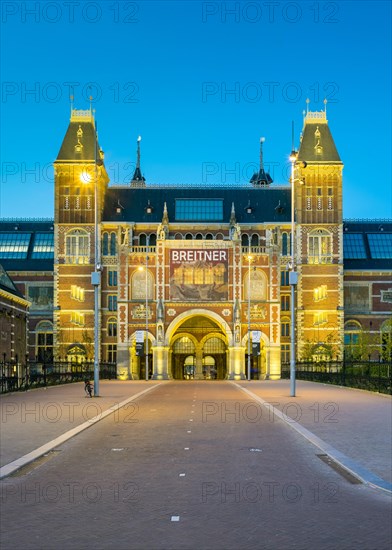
point(80, 142)
point(7, 284)
point(317, 144)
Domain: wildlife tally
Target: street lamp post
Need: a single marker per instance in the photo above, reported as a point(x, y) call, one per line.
point(147, 246)
point(249, 350)
point(293, 278)
point(96, 281)
point(96, 274)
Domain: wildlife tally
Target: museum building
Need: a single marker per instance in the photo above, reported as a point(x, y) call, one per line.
point(203, 272)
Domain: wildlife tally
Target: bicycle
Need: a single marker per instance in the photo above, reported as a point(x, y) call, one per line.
point(88, 388)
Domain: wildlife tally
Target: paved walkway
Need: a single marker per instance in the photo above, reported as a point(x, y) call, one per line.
point(353, 422)
point(191, 465)
point(33, 418)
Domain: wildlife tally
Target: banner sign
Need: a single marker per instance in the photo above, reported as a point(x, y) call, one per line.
point(199, 275)
point(139, 336)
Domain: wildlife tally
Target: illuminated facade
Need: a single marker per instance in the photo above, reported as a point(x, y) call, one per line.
point(205, 271)
point(200, 270)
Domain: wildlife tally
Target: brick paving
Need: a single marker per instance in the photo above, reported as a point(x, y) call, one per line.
point(30, 419)
point(246, 485)
point(357, 423)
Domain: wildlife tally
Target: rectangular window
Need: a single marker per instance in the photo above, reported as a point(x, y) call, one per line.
point(285, 303)
point(284, 278)
point(320, 248)
point(380, 245)
point(112, 278)
point(285, 329)
point(330, 198)
point(112, 327)
point(77, 318)
point(43, 246)
point(199, 210)
point(14, 245)
point(308, 198)
point(285, 353)
point(353, 246)
point(112, 353)
point(112, 302)
point(77, 293)
point(320, 318)
point(320, 293)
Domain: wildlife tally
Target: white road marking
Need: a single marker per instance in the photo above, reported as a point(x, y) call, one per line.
point(175, 518)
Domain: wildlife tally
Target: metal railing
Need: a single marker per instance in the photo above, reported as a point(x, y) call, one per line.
point(17, 377)
point(366, 375)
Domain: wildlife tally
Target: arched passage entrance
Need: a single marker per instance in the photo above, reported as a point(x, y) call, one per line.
point(198, 349)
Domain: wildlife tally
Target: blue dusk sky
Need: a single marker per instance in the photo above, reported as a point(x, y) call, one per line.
point(201, 82)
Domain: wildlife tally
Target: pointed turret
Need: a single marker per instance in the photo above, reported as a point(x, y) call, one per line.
point(163, 227)
point(317, 144)
point(138, 180)
point(80, 143)
point(233, 220)
point(261, 178)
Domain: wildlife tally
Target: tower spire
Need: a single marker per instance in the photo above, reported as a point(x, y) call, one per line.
point(262, 140)
point(261, 178)
point(138, 180)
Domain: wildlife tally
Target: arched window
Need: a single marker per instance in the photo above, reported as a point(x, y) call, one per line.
point(184, 345)
point(285, 327)
point(112, 326)
point(109, 244)
point(199, 237)
point(105, 244)
point(214, 345)
point(285, 249)
point(142, 239)
point(178, 237)
point(219, 237)
point(244, 239)
point(209, 237)
point(258, 284)
point(77, 247)
point(189, 236)
point(320, 247)
point(254, 240)
point(113, 244)
point(44, 341)
point(352, 337)
point(153, 239)
point(139, 282)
